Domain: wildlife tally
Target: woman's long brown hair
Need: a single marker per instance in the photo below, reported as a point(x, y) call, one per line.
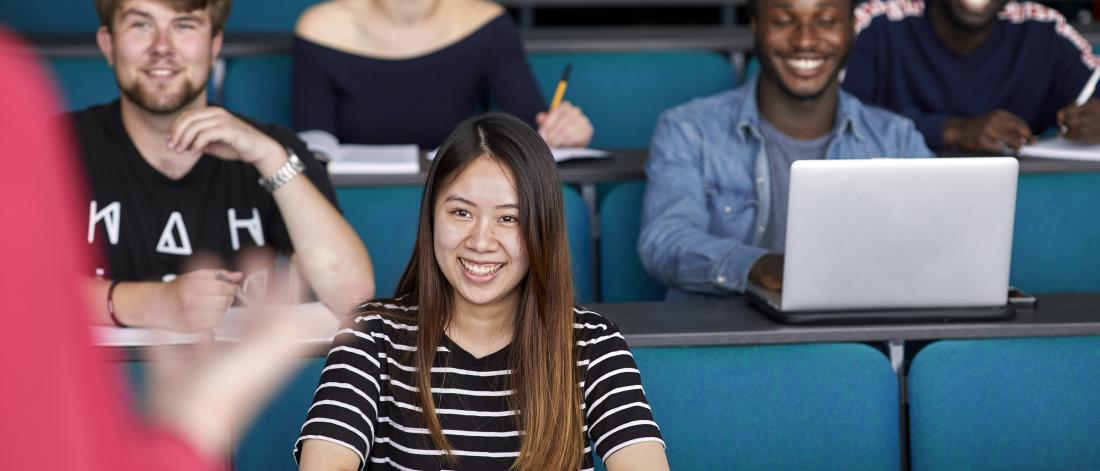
point(544, 352)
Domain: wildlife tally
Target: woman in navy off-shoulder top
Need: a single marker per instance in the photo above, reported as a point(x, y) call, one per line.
point(407, 72)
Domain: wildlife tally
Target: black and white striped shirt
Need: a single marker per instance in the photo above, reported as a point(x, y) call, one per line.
point(366, 398)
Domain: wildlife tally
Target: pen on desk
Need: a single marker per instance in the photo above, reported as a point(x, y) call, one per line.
point(559, 92)
point(1086, 93)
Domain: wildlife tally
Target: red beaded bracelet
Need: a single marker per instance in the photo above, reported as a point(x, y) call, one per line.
point(111, 304)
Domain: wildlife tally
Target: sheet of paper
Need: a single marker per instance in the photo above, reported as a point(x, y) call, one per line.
point(370, 159)
point(561, 154)
point(228, 330)
point(1059, 148)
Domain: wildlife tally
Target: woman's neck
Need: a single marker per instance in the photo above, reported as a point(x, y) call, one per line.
point(482, 330)
point(407, 12)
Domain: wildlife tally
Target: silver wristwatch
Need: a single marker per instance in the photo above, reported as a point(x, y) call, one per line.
point(287, 172)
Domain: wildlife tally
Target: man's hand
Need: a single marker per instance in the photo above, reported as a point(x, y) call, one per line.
point(215, 131)
point(994, 132)
point(564, 126)
point(194, 301)
point(1081, 123)
point(767, 272)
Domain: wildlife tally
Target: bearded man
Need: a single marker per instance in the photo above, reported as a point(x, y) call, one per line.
point(181, 189)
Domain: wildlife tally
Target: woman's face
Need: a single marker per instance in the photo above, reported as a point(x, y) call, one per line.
point(478, 241)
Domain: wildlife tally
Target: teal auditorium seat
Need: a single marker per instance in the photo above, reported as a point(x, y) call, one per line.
point(259, 87)
point(622, 277)
point(813, 406)
point(1006, 404)
point(623, 92)
point(1056, 243)
point(268, 443)
point(50, 17)
point(83, 81)
point(386, 220)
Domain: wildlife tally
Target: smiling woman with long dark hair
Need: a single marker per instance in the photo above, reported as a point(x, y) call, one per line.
point(518, 377)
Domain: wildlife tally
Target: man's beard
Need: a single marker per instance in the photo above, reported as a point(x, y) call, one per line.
point(148, 100)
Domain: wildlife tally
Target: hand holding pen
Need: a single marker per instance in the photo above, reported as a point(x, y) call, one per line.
point(1080, 121)
point(564, 125)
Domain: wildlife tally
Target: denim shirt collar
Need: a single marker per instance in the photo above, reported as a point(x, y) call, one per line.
point(747, 115)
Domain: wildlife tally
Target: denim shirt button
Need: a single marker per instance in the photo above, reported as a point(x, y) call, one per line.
point(759, 180)
point(721, 279)
point(760, 229)
point(727, 210)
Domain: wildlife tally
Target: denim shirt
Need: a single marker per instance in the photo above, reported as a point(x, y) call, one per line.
point(708, 192)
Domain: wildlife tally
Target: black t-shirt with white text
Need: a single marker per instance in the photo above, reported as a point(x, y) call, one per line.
point(150, 224)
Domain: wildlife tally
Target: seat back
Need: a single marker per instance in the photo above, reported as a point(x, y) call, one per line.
point(623, 92)
point(815, 406)
point(622, 277)
point(1005, 404)
point(258, 86)
point(84, 81)
point(1056, 240)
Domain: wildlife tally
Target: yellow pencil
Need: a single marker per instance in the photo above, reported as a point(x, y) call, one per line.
point(559, 92)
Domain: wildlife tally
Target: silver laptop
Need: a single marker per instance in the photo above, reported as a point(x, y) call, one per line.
point(897, 234)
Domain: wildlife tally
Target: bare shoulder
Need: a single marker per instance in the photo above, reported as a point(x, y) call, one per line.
point(327, 23)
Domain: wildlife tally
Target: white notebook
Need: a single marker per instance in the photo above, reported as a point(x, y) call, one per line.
point(1061, 148)
point(358, 159)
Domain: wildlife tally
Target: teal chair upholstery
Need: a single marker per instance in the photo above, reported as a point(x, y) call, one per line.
point(622, 277)
point(623, 92)
point(807, 407)
point(1005, 404)
point(84, 81)
point(265, 16)
point(259, 87)
point(579, 230)
point(268, 443)
point(1056, 241)
point(386, 220)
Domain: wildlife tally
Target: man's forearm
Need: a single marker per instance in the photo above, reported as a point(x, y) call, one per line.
point(328, 252)
point(132, 302)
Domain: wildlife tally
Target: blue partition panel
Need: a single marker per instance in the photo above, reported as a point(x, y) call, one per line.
point(1056, 244)
point(259, 87)
point(623, 92)
point(622, 277)
point(806, 407)
point(268, 444)
point(1006, 404)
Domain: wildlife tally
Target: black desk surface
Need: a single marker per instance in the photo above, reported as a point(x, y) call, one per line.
point(734, 322)
point(630, 165)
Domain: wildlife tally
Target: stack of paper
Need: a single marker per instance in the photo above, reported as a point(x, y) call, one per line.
point(1061, 148)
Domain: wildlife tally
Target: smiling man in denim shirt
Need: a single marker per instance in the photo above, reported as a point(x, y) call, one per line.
point(715, 210)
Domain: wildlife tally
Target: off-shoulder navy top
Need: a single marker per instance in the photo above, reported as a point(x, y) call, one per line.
point(365, 100)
